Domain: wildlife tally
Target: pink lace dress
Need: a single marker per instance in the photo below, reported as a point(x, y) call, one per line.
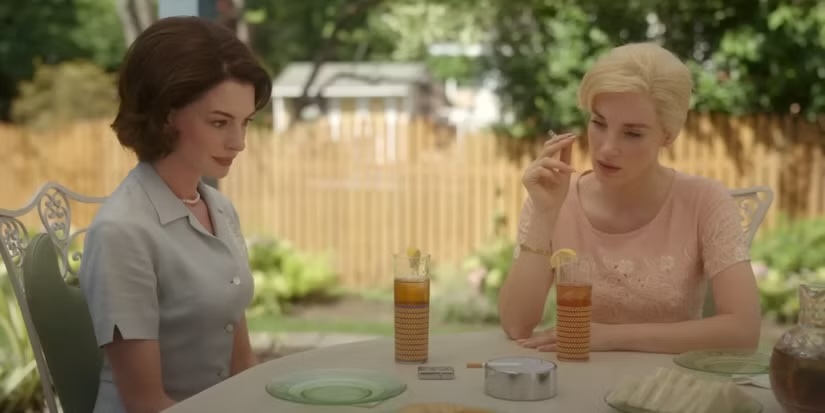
point(659, 272)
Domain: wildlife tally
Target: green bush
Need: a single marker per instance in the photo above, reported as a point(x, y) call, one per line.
point(470, 292)
point(487, 267)
point(793, 247)
point(20, 389)
point(779, 291)
point(64, 93)
point(786, 257)
point(457, 298)
point(283, 275)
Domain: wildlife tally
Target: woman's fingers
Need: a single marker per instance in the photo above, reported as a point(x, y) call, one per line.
point(549, 176)
point(539, 173)
point(543, 339)
point(555, 145)
point(548, 347)
point(566, 154)
point(552, 165)
point(555, 165)
point(548, 170)
point(556, 138)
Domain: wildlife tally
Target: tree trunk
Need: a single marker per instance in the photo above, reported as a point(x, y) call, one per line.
point(231, 15)
point(145, 13)
point(241, 28)
point(130, 26)
point(135, 16)
point(347, 12)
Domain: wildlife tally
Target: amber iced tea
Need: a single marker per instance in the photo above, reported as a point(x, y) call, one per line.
point(411, 291)
point(797, 368)
point(574, 295)
point(798, 384)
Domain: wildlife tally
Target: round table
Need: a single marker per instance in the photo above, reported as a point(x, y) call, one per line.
point(581, 386)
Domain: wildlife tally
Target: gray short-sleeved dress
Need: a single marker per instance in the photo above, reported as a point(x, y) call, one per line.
point(153, 271)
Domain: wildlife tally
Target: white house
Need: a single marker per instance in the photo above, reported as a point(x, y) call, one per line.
point(356, 93)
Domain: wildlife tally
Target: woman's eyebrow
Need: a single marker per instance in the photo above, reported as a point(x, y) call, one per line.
point(630, 124)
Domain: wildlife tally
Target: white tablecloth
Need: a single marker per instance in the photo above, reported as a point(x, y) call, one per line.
point(581, 386)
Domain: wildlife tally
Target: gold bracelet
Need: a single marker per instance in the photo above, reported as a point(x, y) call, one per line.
point(546, 253)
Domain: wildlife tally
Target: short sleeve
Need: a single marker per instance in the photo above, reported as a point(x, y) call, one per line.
point(119, 283)
point(722, 238)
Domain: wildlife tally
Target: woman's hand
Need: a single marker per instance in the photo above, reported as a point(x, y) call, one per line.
point(602, 338)
point(547, 179)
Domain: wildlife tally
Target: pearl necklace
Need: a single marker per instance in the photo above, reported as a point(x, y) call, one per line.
point(192, 201)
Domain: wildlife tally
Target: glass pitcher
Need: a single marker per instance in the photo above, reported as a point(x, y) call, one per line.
point(797, 369)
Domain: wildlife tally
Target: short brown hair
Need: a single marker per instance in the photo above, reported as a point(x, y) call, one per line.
point(171, 64)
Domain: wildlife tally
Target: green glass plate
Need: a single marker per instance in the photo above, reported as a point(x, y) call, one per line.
point(752, 407)
point(335, 387)
point(725, 361)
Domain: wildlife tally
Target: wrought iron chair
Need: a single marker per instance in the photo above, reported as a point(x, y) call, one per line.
point(753, 205)
point(54, 311)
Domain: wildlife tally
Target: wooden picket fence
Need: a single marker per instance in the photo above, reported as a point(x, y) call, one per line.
point(370, 192)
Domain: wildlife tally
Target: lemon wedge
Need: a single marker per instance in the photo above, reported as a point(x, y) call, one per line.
point(414, 256)
point(561, 257)
point(413, 252)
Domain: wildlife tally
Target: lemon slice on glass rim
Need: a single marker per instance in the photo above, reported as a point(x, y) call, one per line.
point(561, 257)
point(413, 252)
point(414, 256)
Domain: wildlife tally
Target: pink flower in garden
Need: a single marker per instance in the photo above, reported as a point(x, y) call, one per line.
point(760, 270)
point(476, 277)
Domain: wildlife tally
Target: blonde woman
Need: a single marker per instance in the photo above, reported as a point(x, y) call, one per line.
point(659, 237)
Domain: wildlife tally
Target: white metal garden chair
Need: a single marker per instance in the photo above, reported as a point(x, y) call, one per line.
point(753, 204)
point(57, 320)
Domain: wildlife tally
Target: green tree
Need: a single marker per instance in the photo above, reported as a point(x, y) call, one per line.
point(540, 50)
point(59, 94)
point(98, 33)
point(317, 31)
point(412, 26)
point(50, 32)
point(309, 30)
point(772, 62)
point(32, 30)
point(747, 56)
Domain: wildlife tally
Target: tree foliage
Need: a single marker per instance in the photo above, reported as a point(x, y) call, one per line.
point(747, 56)
point(59, 94)
point(53, 31)
point(287, 31)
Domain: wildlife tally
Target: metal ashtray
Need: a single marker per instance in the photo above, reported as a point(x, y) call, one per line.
point(520, 378)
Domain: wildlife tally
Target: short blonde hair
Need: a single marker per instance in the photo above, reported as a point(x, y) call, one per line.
point(645, 68)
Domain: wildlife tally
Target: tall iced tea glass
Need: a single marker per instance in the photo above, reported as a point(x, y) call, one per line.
point(573, 309)
point(412, 307)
